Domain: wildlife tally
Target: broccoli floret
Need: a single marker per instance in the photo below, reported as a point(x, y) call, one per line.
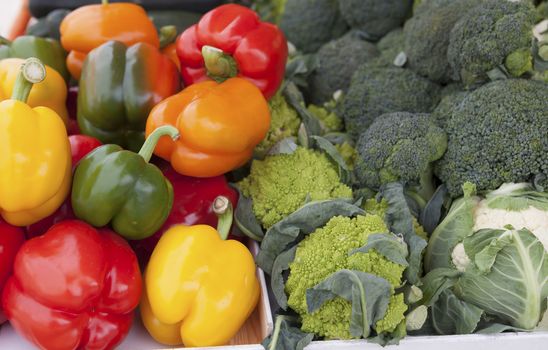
point(378, 90)
point(427, 39)
point(338, 59)
point(324, 252)
point(375, 17)
point(390, 46)
point(308, 24)
point(482, 39)
point(400, 147)
point(497, 134)
point(446, 105)
point(280, 184)
point(284, 122)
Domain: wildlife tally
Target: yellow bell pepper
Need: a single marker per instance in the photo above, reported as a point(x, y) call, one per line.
point(35, 157)
point(199, 287)
point(51, 92)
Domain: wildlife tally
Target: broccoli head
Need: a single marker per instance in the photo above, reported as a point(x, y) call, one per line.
point(378, 90)
point(326, 251)
point(449, 101)
point(497, 134)
point(483, 39)
point(280, 184)
point(308, 24)
point(427, 39)
point(400, 147)
point(284, 122)
point(338, 59)
point(375, 17)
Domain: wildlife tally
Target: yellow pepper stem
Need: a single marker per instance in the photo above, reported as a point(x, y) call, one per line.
point(152, 139)
point(219, 65)
point(223, 209)
point(32, 71)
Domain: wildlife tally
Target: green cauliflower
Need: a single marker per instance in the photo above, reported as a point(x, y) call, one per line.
point(495, 33)
point(308, 24)
point(284, 122)
point(378, 90)
point(329, 119)
point(269, 10)
point(496, 134)
point(326, 251)
point(280, 184)
point(375, 17)
point(427, 39)
point(338, 59)
point(372, 206)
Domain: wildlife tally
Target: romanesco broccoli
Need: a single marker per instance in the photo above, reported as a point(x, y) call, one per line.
point(284, 122)
point(326, 251)
point(280, 184)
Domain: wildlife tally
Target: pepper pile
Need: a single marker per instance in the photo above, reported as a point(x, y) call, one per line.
point(389, 157)
point(135, 94)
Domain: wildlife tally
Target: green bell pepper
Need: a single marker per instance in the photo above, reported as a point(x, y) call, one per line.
point(119, 86)
point(49, 51)
point(116, 186)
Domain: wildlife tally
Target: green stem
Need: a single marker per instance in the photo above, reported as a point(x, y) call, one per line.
point(223, 209)
point(276, 333)
point(219, 65)
point(4, 41)
point(152, 139)
point(32, 71)
point(168, 34)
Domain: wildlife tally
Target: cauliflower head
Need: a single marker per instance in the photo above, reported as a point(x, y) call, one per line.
point(281, 184)
point(326, 251)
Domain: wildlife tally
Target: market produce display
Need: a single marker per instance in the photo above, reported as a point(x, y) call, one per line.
point(384, 163)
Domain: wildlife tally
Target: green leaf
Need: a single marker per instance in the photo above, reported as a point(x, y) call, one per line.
point(450, 315)
point(277, 278)
point(392, 338)
point(485, 258)
point(324, 145)
point(284, 146)
point(305, 220)
point(287, 335)
point(369, 295)
point(431, 214)
point(516, 287)
point(457, 224)
point(246, 220)
point(499, 328)
point(517, 197)
point(296, 100)
point(391, 246)
point(436, 282)
point(400, 221)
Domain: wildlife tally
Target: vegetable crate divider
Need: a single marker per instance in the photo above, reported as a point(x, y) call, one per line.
point(260, 323)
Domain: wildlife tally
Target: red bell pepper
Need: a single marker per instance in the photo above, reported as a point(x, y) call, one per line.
point(74, 287)
point(192, 205)
point(11, 239)
point(232, 41)
point(80, 146)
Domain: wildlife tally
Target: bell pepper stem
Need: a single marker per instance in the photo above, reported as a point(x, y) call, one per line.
point(32, 71)
point(168, 34)
point(219, 65)
point(152, 139)
point(223, 209)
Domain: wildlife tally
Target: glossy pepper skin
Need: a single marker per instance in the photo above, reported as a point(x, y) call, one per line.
point(112, 185)
point(80, 146)
point(49, 51)
point(90, 26)
point(35, 159)
point(74, 287)
point(118, 88)
point(242, 45)
point(199, 287)
point(51, 92)
point(11, 239)
point(220, 125)
point(192, 200)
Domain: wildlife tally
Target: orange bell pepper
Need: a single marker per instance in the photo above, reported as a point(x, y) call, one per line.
point(90, 26)
point(219, 124)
